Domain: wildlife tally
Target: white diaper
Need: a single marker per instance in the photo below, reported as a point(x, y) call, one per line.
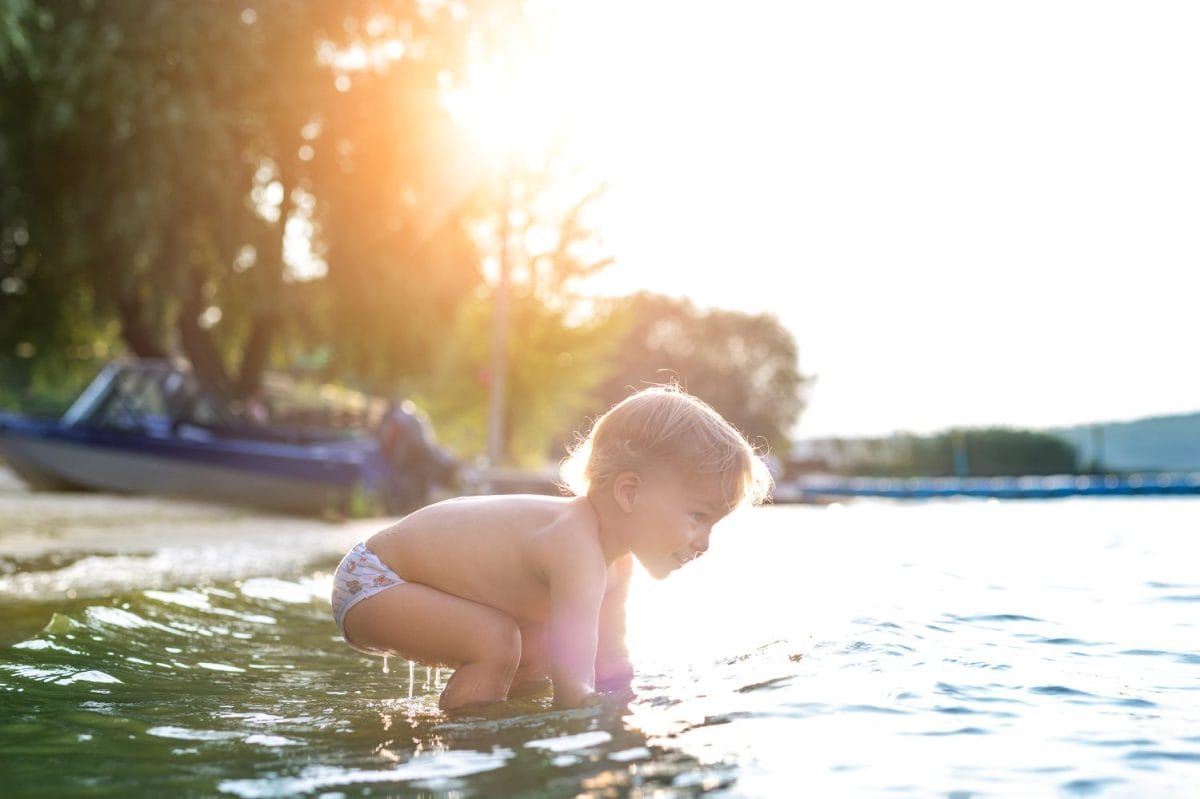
point(361, 574)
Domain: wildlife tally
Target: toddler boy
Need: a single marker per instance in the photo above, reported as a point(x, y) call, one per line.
point(510, 590)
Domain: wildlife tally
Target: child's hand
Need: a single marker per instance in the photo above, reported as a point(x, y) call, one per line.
point(614, 675)
point(592, 700)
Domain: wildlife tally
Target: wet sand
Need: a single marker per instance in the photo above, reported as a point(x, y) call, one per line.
point(89, 544)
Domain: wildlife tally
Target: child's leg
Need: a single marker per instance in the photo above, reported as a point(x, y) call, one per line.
point(533, 672)
point(420, 623)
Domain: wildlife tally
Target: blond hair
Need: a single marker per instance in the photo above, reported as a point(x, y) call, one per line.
point(663, 426)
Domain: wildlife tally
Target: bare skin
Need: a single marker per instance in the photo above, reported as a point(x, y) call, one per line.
point(510, 590)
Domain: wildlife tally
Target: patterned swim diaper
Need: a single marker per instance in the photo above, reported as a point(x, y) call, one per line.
point(360, 575)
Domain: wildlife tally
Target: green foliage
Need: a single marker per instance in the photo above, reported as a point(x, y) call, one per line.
point(744, 365)
point(15, 18)
point(989, 452)
point(552, 371)
point(45, 386)
point(531, 217)
point(995, 451)
point(158, 153)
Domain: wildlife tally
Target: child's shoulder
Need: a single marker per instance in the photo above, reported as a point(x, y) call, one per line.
point(528, 511)
point(531, 503)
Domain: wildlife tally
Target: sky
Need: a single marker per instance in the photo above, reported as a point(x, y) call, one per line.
point(968, 214)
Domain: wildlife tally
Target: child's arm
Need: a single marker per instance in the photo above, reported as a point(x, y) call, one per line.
point(613, 669)
point(576, 591)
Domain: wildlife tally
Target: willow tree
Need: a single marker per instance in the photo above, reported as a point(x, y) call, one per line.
point(189, 171)
point(246, 184)
point(744, 365)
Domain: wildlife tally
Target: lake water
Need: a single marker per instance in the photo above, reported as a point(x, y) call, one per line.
point(954, 649)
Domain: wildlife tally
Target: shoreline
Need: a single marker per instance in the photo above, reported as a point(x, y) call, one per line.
point(56, 545)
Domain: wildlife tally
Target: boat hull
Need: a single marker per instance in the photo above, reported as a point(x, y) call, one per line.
point(339, 479)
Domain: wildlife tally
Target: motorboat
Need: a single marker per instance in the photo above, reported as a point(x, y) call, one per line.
point(150, 426)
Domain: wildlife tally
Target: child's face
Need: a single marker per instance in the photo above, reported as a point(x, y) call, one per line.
point(672, 518)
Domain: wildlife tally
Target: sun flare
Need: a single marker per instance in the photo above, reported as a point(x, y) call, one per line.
point(505, 111)
point(673, 111)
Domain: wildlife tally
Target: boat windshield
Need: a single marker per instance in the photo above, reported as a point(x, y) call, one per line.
point(149, 398)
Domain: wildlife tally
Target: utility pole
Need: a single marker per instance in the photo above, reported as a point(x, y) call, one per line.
point(499, 361)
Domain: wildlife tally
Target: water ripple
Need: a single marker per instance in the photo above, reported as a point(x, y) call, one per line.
point(423, 768)
point(994, 617)
point(1058, 690)
point(568, 743)
point(1159, 754)
point(1115, 743)
point(1062, 641)
point(769, 684)
point(873, 709)
point(947, 733)
point(1092, 787)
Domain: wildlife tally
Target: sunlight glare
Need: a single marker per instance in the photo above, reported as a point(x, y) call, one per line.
point(676, 112)
point(581, 77)
point(507, 115)
point(889, 160)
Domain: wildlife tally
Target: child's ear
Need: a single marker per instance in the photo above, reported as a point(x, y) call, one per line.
point(625, 488)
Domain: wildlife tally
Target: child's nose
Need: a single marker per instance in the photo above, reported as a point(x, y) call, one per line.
point(700, 543)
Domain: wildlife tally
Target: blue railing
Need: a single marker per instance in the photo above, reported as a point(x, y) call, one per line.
point(813, 487)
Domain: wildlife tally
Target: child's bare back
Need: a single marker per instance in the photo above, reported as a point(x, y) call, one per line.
point(497, 551)
point(512, 590)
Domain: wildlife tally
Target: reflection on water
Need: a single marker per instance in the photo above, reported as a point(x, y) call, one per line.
point(950, 649)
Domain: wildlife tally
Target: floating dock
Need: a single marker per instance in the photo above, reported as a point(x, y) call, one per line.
point(823, 488)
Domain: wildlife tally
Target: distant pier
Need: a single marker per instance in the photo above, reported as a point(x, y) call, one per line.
point(818, 488)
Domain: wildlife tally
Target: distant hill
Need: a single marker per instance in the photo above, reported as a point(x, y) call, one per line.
point(1169, 443)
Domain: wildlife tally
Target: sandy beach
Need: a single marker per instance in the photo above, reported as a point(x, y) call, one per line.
point(75, 545)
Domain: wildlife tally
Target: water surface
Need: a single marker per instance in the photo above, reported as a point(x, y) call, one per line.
point(958, 648)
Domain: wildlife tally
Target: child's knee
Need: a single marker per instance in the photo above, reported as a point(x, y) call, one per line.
point(486, 676)
point(500, 645)
point(508, 647)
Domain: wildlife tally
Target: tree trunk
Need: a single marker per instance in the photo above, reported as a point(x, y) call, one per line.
point(254, 357)
point(197, 343)
point(271, 301)
point(134, 330)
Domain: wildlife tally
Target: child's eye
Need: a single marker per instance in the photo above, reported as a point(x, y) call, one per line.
point(697, 516)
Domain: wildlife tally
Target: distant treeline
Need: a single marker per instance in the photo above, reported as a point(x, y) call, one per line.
point(985, 452)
